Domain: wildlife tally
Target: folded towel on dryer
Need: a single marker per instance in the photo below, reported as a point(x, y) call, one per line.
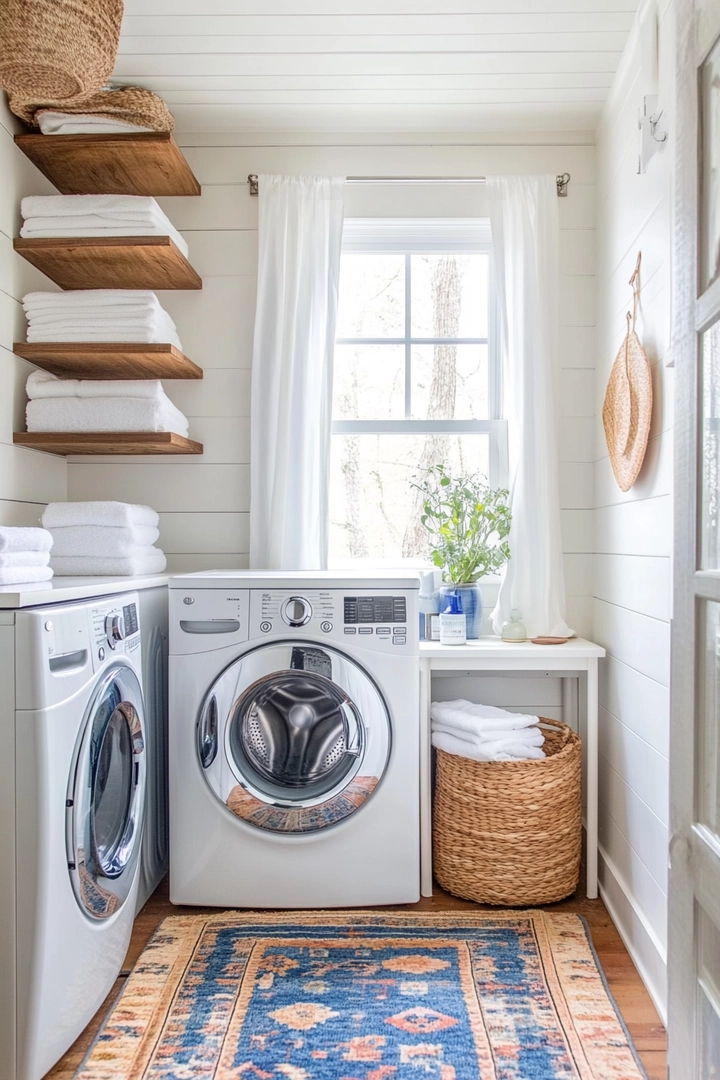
point(24, 538)
point(24, 558)
point(98, 512)
point(18, 575)
point(148, 560)
point(102, 540)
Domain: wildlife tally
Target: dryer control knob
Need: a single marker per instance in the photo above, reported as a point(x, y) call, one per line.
point(114, 629)
point(296, 611)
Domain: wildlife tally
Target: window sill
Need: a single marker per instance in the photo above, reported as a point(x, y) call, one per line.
point(370, 565)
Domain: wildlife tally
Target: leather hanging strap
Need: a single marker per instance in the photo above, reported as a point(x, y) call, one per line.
point(625, 421)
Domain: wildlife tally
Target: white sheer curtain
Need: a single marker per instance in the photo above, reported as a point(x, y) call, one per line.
point(525, 228)
point(300, 235)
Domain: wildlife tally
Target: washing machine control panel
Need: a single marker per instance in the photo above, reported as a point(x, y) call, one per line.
point(279, 611)
point(115, 628)
point(375, 621)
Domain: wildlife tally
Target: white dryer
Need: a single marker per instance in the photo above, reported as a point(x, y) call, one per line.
point(294, 739)
point(71, 825)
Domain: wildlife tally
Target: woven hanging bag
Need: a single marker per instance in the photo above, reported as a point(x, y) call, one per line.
point(509, 832)
point(52, 50)
point(627, 409)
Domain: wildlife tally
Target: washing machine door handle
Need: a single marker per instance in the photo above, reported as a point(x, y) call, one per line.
point(356, 748)
point(207, 733)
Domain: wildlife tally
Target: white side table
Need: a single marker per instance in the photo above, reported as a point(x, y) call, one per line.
point(491, 655)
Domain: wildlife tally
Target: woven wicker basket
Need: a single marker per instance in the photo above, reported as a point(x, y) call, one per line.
point(509, 832)
point(55, 49)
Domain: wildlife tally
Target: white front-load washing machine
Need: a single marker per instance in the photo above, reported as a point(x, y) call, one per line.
point(71, 820)
point(294, 739)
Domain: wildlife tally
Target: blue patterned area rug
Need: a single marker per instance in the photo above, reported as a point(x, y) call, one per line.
point(366, 996)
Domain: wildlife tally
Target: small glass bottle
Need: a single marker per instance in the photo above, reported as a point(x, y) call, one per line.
point(514, 628)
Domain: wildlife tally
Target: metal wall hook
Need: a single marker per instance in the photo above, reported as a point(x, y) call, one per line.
point(562, 180)
point(654, 121)
point(653, 132)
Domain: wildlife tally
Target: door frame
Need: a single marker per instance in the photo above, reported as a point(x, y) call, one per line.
point(693, 862)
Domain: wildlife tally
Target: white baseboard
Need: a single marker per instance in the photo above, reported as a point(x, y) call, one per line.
point(647, 951)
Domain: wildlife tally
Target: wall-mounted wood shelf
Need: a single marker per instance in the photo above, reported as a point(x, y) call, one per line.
point(108, 360)
point(107, 442)
point(113, 262)
point(139, 163)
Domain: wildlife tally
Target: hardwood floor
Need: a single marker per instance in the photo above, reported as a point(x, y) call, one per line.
point(625, 984)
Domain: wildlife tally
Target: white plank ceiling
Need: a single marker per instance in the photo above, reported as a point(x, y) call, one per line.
point(376, 65)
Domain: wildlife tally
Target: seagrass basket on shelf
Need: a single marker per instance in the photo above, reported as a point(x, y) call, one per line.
point(509, 832)
point(52, 50)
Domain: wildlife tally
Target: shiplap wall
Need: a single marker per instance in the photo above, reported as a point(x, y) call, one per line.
point(28, 479)
point(420, 65)
point(203, 502)
point(633, 531)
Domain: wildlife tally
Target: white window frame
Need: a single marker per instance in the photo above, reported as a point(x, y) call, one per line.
point(411, 236)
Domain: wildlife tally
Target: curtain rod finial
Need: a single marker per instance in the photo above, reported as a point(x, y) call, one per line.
point(253, 184)
point(562, 180)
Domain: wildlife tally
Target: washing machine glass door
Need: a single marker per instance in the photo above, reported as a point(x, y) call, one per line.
point(293, 737)
point(105, 804)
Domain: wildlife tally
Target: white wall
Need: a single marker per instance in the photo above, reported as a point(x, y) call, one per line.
point(633, 531)
point(28, 479)
point(203, 502)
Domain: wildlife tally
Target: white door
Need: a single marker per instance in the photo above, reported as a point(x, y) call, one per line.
point(694, 926)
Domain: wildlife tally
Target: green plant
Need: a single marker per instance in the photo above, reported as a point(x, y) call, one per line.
point(468, 523)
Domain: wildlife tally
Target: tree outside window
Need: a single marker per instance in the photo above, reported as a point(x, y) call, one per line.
point(416, 381)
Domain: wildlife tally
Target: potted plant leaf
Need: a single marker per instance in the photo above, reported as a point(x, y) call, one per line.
point(468, 523)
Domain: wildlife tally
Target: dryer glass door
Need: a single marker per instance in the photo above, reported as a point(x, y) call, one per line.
point(305, 734)
point(106, 796)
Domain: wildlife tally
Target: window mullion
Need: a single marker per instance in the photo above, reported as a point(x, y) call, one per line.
point(408, 344)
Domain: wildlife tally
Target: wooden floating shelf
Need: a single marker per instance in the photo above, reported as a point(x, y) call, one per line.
point(113, 262)
point(139, 163)
point(108, 360)
point(107, 442)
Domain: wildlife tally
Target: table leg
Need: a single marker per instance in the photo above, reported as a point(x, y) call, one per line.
point(569, 701)
point(426, 878)
point(592, 779)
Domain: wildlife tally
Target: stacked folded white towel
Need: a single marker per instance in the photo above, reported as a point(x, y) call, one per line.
point(112, 315)
point(24, 555)
point(484, 732)
point(103, 538)
point(100, 405)
point(96, 215)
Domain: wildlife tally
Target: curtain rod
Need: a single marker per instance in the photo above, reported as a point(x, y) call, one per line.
point(562, 180)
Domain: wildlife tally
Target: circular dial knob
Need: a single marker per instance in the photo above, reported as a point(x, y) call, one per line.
point(114, 629)
point(296, 611)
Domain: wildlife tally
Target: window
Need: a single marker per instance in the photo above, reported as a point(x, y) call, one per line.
point(416, 378)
